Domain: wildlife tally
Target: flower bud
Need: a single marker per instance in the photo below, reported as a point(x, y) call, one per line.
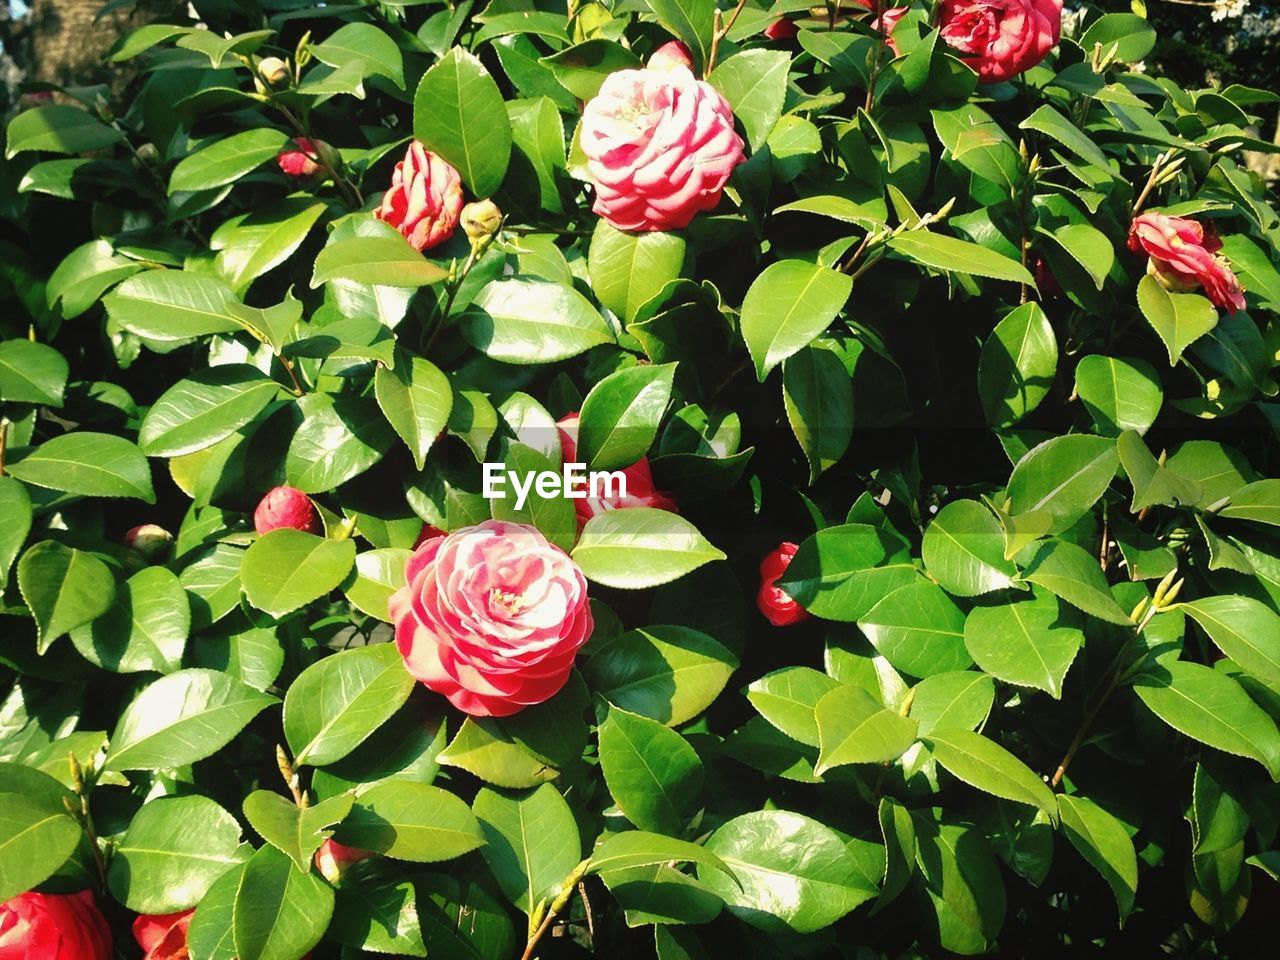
point(776, 604)
point(148, 153)
point(670, 56)
point(480, 221)
point(149, 540)
point(286, 507)
point(333, 859)
point(273, 70)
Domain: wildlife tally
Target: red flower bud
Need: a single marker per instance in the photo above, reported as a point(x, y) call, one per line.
point(286, 507)
point(776, 605)
point(148, 539)
point(781, 29)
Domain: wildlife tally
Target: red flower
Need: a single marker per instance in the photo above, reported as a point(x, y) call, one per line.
point(1001, 38)
point(286, 507)
point(781, 29)
point(163, 936)
point(50, 926)
point(776, 605)
point(1184, 257)
point(425, 199)
point(333, 858)
point(302, 161)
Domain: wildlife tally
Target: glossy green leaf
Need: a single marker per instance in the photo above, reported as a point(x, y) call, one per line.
point(1180, 319)
point(652, 773)
point(207, 407)
point(1119, 394)
point(984, 764)
point(1258, 501)
point(1029, 643)
point(918, 629)
point(787, 305)
point(169, 305)
point(364, 46)
point(64, 588)
point(621, 414)
point(641, 547)
point(181, 718)
point(1017, 365)
point(411, 821)
point(35, 840)
point(531, 842)
point(638, 848)
point(960, 700)
point(15, 505)
point(339, 701)
point(338, 438)
point(58, 128)
point(1103, 841)
point(146, 627)
point(755, 84)
point(88, 465)
point(963, 550)
point(627, 270)
point(280, 913)
point(953, 255)
point(379, 918)
point(1071, 573)
point(226, 160)
point(416, 399)
point(854, 728)
point(1244, 629)
point(458, 113)
point(383, 261)
point(818, 397)
point(1064, 476)
point(788, 698)
point(841, 572)
point(377, 575)
point(518, 320)
point(295, 831)
point(287, 568)
point(32, 373)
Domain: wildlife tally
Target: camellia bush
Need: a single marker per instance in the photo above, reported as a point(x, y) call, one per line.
point(651, 478)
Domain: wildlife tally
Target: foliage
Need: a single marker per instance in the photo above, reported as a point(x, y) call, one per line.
point(1035, 702)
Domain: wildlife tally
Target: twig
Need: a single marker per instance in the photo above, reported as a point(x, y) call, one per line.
point(293, 374)
point(721, 31)
point(586, 906)
point(567, 888)
point(290, 777)
point(876, 61)
point(4, 441)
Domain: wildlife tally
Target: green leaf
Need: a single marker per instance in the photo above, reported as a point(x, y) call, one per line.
point(1017, 365)
point(15, 507)
point(365, 48)
point(620, 415)
point(755, 84)
point(638, 848)
point(793, 873)
point(963, 550)
point(213, 584)
point(984, 764)
point(1258, 501)
point(788, 698)
point(918, 629)
point(378, 918)
point(953, 255)
point(693, 21)
point(338, 438)
point(581, 69)
point(182, 718)
point(383, 261)
point(1244, 629)
point(336, 703)
point(788, 305)
point(667, 673)
point(627, 270)
point(484, 749)
point(840, 572)
point(818, 396)
point(226, 160)
point(273, 325)
point(58, 128)
point(36, 839)
point(961, 700)
point(1179, 318)
point(1153, 482)
point(32, 373)
point(286, 569)
point(641, 547)
point(279, 913)
point(1128, 37)
point(1029, 643)
point(208, 406)
point(169, 305)
point(525, 321)
point(963, 883)
point(1064, 476)
point(1103, 841)
point(531, 843)
point(253, 243)
point(378, 574)
point(1071, 573)
point(173, 851)
point(145, 628)
point(85, 274)
point(1119, 394)
point(416, 399)
point(458, 113)
point(64, 588)
point(295, 831)
point(1050, 122)
point(554, 515)
point(1212, 708)
point(88, 465)
point(210, 936)
point(411, 821)
point(854, 728)
point(652, 773)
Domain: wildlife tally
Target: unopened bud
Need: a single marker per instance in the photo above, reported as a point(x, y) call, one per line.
point(671, 56)
point(480, 221)
point(148, 154)
point(77, 774)
point(273, 70)
point(148, 539)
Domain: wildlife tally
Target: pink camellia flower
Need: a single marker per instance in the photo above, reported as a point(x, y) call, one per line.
point(774, 602)
point(885, 24)
point(492, 617)
point(640, 488)
point(333, 859)
point(1183, 256)
point(163, 936)
point(425, 199)
point(286, 507)
point(302, 160)
point(1001, 38)
point(660, 146)
point(781, 29)
point(50, 926)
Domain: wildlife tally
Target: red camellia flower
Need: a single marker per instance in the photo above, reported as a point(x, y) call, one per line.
point(781, 29)
point(50, 926)
point(333, 858)
point(1183, 256)
point(492, 617)
point(1001, 38)
point(428, 532)
point(163, 936)
point(640, 488)
point(660, 146)
point(425, 199)
point(302, 160)
point(776, 605)
point(286, 507)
